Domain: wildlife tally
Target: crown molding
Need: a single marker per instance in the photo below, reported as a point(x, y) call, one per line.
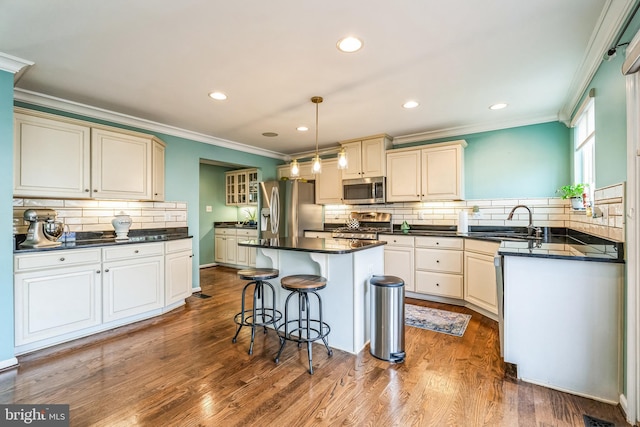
point(471, 129)
point(13, 64)
point(47, 101)
point(614, 13)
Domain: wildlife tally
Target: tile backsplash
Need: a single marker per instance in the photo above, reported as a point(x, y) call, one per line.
point(96, 215)
point(547, 212)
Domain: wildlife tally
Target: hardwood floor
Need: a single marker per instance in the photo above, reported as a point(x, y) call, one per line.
point(182, 370)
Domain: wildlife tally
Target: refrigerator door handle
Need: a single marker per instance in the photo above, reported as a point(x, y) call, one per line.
point(275, 210)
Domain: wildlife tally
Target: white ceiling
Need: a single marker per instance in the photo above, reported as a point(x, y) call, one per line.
point(158, 59)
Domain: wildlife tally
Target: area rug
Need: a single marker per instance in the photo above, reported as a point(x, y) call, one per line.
point(436, 320)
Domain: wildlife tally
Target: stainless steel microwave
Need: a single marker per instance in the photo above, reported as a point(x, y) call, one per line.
point(363, 191)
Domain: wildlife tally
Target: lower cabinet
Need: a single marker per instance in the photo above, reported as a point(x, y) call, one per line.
point(227, 251)
point(61, 295)
point(399, 258)
point(439, 266)
point(480, 274)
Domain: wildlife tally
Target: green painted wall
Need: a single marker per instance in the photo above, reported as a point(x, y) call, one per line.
point(182, 171)
point(6, 215)
point(526, 161)
point(212, 194)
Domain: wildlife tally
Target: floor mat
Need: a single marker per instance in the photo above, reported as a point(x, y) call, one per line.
point(436, 320)
point(594, 422)
point(200, 295)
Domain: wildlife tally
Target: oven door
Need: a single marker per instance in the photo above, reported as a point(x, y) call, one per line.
point(363, 191)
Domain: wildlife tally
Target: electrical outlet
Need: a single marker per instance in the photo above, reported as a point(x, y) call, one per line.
point(421, 215)
point(208, 208)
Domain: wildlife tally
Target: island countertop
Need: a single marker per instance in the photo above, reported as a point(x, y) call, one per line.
point(307, 244)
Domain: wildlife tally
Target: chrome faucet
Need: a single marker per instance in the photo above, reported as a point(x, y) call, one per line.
point(530, 227)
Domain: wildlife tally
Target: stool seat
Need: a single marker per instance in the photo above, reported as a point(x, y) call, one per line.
point(258, 273)
point(303, 282)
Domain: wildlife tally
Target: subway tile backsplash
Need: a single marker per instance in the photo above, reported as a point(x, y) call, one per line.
point(547, 212)
point(96, 215)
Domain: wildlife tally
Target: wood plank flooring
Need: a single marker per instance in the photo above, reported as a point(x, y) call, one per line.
point(181, 369)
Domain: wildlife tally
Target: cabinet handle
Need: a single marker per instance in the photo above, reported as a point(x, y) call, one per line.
point(191, 256)
point(61, 258)
point(437, 243)
point(106, 270)
point(95, 191)
point(136, 251)
point(86, 190)
point(437, 284)
point(437, 261)
point(97, 271)
point(155, 194)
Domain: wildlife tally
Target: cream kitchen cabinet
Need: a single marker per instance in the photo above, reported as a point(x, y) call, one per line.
point(178, 270)
point(133, 280)
point(241, 187)
point(318, 234)
point(60, 157)
point(399, 258)
point(480, 274)
point(329, 184)
point(366, 157)
point(226, 245)
point(56, 293)
point(284, 171)
point(439, 266)
point(432, 173)
point(246, 256)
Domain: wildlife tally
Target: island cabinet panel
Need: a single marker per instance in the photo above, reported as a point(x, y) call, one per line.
point(178, 270)
point(56, 301)
point(51, 157)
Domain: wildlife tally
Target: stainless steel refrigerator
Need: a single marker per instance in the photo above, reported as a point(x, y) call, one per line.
point(288, 209)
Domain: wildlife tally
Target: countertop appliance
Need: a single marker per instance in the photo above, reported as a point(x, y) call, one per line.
point(288, 208)
point(367, 226)
point(363, 191)
point(44, 231)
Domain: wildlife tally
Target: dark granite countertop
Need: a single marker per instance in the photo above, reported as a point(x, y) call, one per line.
point(306, 244)
point(101, 239)
point(230, 224)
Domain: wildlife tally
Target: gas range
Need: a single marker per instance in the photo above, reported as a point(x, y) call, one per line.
point(366, 227)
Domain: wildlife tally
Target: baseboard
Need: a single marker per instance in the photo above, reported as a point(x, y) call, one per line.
point(208, 265)
point(8, 364)
point(194, 290)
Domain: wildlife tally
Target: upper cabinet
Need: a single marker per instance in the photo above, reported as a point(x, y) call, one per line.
point(59, 157)
point(241, 187)
point(434, 172)
point(366, 156)
point(284, 171)
point(329, 183)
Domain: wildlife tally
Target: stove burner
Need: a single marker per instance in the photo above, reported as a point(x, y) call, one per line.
point(369, 225)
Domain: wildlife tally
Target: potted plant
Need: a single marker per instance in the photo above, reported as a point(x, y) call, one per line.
point(573, 192)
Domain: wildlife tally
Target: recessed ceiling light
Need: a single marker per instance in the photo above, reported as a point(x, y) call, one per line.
point(302, 128)
point(349, 44)
point(410, 104)
point(218, 96)
point(498, 106)
point(270, 134)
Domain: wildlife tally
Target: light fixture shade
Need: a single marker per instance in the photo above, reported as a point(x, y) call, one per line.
point(342, 159)
point(294, 170)
point(316, 164)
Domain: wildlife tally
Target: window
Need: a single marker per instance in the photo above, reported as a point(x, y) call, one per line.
point(584, 137)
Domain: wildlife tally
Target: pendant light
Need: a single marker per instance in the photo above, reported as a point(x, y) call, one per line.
point(342, 159)
point(295, 169)
point(316, 164)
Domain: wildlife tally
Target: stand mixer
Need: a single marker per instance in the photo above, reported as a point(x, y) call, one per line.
point(44, 231)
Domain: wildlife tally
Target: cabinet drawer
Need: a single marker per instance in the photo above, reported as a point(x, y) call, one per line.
point(225, 231)
point(437, 260)
point(440, 242)
point(447, 285)
point(34, 261)
point(247, 234)
point(395, 240)
point(177, 246)
point(132, 251)
point(481, 246)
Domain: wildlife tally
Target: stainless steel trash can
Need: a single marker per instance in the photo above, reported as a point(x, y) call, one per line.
point(387, 318)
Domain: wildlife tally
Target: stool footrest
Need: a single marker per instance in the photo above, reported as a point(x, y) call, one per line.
point(317, 331)
point(271, 316)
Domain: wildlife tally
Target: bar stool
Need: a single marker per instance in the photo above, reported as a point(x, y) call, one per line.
point(303, 329)
point(258, 315)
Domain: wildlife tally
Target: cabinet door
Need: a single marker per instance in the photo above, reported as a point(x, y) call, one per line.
point(132, 287)
point(178, 276)
point(242, 188)
point(442, 173)
point(373, 158)
point(480, 281)
point(399, 262)
point(231, 250)
point(354, 160)
point(120, 165)
point(253, 183)
point(403, 176)
point(220, 249)
point(158, 171)
point(329, 184)
point(51, 158)
point(56, 301)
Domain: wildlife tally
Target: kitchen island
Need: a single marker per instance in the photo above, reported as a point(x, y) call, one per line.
point(347, 265)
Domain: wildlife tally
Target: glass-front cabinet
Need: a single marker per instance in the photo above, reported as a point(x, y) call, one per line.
point(242, 187)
